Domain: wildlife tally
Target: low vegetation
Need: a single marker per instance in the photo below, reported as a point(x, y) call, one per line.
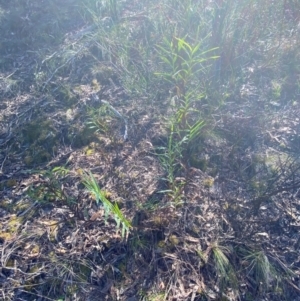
point(149, 150)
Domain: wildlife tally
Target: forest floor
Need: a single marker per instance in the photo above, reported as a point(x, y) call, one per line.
point(225, 228)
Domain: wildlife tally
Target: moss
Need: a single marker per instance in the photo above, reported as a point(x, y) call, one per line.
point(89, 151)
point(5, 236)
point(174, 240)
point(208, 182)
point(256, 185)
point(283, 146)
point(52, 256)
point(161, 244)
point(35, 250)
point(276, 89)
point(160, 221)
point(34, 269)
point(14, 223)
point(95, 85)
point(15, 207)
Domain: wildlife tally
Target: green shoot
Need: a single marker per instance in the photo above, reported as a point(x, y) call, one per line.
point(92, 186)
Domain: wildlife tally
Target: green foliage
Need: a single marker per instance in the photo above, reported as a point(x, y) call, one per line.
point(184, 61)
point(223, 267)
point(260, 268)
point(92, 186)
point(99, 119)
point(183, 65)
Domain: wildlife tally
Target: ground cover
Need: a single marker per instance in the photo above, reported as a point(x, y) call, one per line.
point(149, 150)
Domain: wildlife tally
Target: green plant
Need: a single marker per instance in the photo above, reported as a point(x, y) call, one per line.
point(170, 158)
point(102, 120)
point(260, 268)
point(99, 119)
point(92, 186)
point(223, 267)
point(217, 257)
point(183, 62)
point(183, 65)
point(276, 89)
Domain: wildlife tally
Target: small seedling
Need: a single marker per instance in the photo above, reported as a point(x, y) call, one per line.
point(100, 196)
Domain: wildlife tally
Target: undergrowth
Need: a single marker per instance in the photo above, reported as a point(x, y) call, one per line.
point(197, 199)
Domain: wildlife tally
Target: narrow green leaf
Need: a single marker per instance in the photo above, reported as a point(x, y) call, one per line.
point(182, 43)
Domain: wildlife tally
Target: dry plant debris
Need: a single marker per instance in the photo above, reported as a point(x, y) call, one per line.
point(183, 183)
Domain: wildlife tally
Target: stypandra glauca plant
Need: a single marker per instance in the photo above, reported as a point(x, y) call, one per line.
point(92, 186)
point(170, 157)
point(183, 64)
point(173, 155)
